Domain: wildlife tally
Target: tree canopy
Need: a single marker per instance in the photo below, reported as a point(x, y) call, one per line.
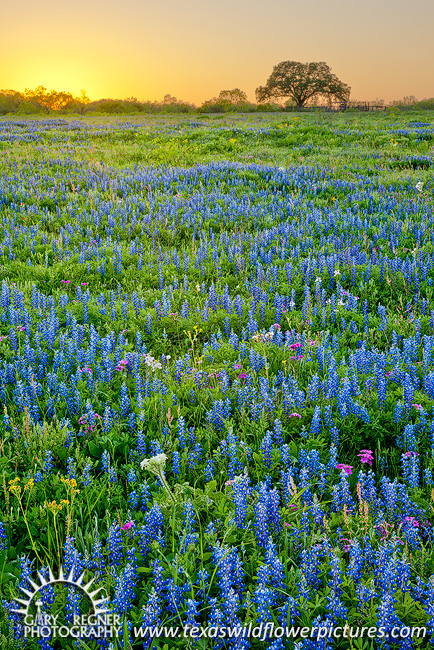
point(302, 82)
point(235, 96)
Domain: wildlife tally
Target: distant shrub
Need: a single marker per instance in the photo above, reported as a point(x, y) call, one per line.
point(10, 101)
point(269, 108)
point(29, 108)
point(426, 104)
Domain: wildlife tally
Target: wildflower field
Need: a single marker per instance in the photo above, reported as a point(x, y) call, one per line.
point(217, 378)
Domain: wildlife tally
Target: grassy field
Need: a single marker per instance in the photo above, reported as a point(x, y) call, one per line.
point(217, 378)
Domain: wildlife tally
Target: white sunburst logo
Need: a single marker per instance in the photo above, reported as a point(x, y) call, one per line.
point(100, 623)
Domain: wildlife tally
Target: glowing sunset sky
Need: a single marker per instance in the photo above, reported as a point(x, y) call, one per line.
point(193, 49)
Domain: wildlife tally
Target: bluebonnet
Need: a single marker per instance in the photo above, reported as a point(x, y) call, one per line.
point(267, 514)
point(410, 468)
point(152, 610)
point(115, 544)
point(71, 468)
point(176, 464)
point(133, 500)
point(342, 495)
point(3, 537)
point(141, 444)
point(145, 496)
point(194, 456)
point(151, 530)
point(86, 474)
point(96, 563)
point(216, 619)
point(209, 469)
point(189, 536)
point(191, 613)
point(266, 448)
point(220, 411)
point(181, 432)
point(73, 600)
point(310, 571)
point(124, 587)
point(241, 492)
point(48, 462)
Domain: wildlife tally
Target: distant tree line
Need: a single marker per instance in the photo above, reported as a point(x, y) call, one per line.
point(291, 86)
point(40, 101)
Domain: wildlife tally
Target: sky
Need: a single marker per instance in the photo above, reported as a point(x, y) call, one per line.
point(193, 49)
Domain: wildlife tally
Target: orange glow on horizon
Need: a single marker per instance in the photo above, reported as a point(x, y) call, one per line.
point(193, 50)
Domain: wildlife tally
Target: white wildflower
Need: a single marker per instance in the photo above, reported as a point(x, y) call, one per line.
point(419, 186)
point(150, 361)
point(156, 464)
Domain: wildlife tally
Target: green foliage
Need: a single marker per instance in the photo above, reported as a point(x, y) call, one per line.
point(345, 147)
point(302, 82)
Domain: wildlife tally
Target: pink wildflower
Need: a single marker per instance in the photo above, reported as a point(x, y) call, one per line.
point(294, 346)
point(128, 525)
point(295, 415)
point(366, 456)
point(348, 469)
point(419, 407)
point(381, 530)
point(413, 521)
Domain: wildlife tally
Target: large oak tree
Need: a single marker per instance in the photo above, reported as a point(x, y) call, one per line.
point(302, 82)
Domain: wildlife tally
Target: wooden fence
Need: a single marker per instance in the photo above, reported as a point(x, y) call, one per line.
point(338, 107)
